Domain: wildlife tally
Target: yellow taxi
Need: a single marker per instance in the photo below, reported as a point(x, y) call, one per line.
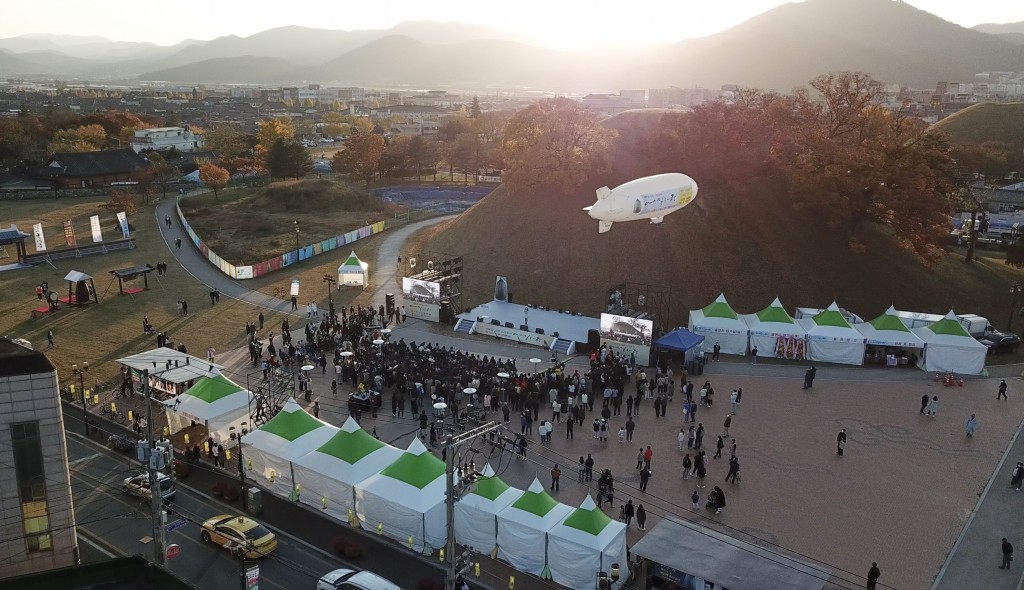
point(243, 537)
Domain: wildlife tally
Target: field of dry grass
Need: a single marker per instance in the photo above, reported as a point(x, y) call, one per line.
point(249, 225)
point(113, 328)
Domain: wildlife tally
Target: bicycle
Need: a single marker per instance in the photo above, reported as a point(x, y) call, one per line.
point(117, 416)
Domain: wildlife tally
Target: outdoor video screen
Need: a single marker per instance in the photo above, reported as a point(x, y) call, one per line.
point(421, 291)
point(624, 329)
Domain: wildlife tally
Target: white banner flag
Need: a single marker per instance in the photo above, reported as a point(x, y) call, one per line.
point(295, 287)
point(123, 220)
point(97, 233)
point(37, 231)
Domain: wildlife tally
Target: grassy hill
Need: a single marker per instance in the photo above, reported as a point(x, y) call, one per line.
point(751, 248)
point(985, 122)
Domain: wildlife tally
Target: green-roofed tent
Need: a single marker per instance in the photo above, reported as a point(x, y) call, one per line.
point(216, 402)
point(718, 322)
point(476, 513)
point(329, 474)
point(269, 452)
point(889, 330)
point(353, 272)
point(770, 324)
point(831, 339)
point(407, 498)
point(523, 528)
point(948, 347)
point(587, 541)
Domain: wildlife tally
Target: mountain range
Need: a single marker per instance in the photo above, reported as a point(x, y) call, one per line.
point(780, 49)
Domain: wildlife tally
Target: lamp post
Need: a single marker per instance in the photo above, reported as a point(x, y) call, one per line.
point(330, 280)
point(81, 383)
point(296, 222)
point(1015, 289)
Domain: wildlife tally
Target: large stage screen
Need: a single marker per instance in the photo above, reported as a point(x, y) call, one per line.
point(627, 330)
point(422, 299)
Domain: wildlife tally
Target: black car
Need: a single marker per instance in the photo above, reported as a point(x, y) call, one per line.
point(1000, 342)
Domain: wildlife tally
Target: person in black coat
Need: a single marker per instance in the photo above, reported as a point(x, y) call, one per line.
point(719, 500)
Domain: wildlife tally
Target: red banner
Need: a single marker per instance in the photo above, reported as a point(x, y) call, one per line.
point(69, 234)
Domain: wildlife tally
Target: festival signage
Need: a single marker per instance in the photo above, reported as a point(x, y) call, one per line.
point(97, 233)
point(422, 299)
point(37, 232)
point(122, 218)
point(641, 352)
point(69, 233)
point(522, 336)
point(252, 577)
point(295, 288)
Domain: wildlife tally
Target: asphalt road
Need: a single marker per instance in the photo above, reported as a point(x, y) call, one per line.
point(120, 524)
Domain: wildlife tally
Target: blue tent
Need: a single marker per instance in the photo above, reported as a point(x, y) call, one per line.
point(679, 339)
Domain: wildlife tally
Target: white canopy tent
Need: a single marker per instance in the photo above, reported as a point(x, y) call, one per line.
point(889, 330)
point(353, 272)
point(587, 541)
point(270, 450)
point(770, 325)
point(406, 499)
point(718, 322)
point(831, 339)
point(948, 347)
point(329, 474)
point(216, 402)
point(476, 513)
point(523, 528)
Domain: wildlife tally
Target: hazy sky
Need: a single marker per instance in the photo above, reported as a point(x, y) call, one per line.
point(559, 23)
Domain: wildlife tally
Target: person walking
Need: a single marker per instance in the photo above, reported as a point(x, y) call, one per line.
point(933, 406)
point(261, 318)
point(177, 243)
point(556, 473)
point(641, 517)
point(1007, 555)
point(580, 470)
point(681, 439)
point(699, 441)
point(727, 424)
point(809, 377)
point(628, 511)
point(184, 307)
point(588, 468)
point(732, 400)
point(716, 352)
point(49, 339)
point(924, 402)
point(873, 574)
point(971, 426)
point(718, 448)
point(645, 476)
point(695, 498)
point(753, 355)
point(840, 442)
point(1017, 477)
point(719, 500)
point(569, 429)
point(178, 305)
point(702, 472)
point(687, 466)
point(630, 426)
point(640, 459)
point(648, 454)
point(734, 469)
point(1002, 389)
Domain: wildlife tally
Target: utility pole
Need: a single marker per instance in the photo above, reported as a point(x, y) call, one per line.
point(154, 481)
point(454, 490)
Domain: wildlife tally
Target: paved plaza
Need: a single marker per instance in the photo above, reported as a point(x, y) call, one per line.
point(901, 495)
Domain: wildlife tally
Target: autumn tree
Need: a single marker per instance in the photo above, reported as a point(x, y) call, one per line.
point(555, 142)
point(361, 156)
point(213, 176)
point(271, 130)
point(121, 200)
point(226, 140)
point(853, 162)
point(334, 124)
point(288, 159)
point(164, 173)
point(86, 138)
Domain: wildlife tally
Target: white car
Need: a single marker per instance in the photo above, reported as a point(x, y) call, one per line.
point(344, 579)
point(138, 485)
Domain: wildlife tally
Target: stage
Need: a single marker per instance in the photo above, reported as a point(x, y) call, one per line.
point(526, 320)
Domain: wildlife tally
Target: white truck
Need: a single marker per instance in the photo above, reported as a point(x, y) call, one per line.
point(975, 325)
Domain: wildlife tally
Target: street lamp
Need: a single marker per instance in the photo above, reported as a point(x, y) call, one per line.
point(81, 382)
point(1015, 289)
point(296, 222)
point(330, 280)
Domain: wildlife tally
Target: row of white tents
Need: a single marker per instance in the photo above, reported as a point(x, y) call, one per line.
point(944, 345)
point(348, 474)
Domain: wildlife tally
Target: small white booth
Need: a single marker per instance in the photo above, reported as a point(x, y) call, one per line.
point(270, 451)
point(523, 529)
point(215, 402)
point(831, 339)
point(775, 333)
point(889, 331)
point(406, 499)
point(330, 473)
point(587, 541)
point(719, 323)
point(948, 347)
point(476, 513)
point(353, 272)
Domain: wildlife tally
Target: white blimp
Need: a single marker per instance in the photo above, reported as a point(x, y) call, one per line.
point(651, 197)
